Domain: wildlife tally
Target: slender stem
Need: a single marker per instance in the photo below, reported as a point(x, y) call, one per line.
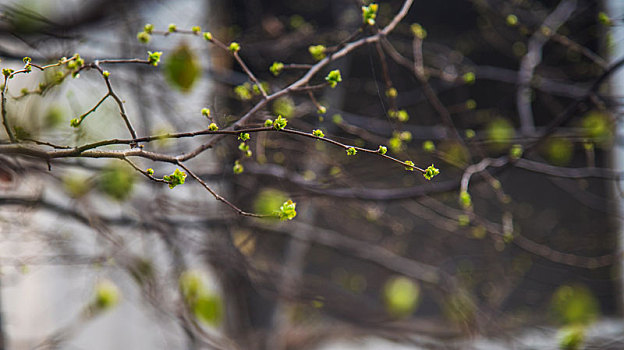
point(122, 109)
point(216, 195)
point(250, 74)
point(93, 109)
point(5, 119)
point(345, 146)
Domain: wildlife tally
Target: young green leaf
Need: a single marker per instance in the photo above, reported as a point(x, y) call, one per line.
point(238, 167)
point(430, 172)
point(276, 68)
point(153, 58)
point(317, 51)
point(280, 123)
point(409, 166)
point(369, 13)
point(333, 78)
point(177, 178)
point(287, 211)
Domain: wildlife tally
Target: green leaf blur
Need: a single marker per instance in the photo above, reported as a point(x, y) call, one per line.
point(500, 133)
point(116, 181)
point(401, 296)
point(205, 305)
point(574, 304)
point(559, 151)
point(182, 68)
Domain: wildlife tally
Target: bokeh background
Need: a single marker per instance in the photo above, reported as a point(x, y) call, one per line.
point(516, 244)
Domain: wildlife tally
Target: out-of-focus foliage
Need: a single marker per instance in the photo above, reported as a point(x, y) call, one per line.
point(116, 181)
point(401, 296)
point(182, 67)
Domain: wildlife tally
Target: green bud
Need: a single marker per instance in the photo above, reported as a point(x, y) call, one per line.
point(150, 171)
point(107, 295)
point(333, 78)
point(409, 165)
point(321, 110)
point(234, 47)
point(402, 116)
point(213, 127)
point(280, 123)
point(515, 152)
point(172, 28)
point(382, 149)
point(470, 133)
point(243, 147)
point(287, 210)
point(208, 36)
point(74, 122)
point(143, 37)
point(318, 133)
point(105, 74)
point(369, 13)
point(465, 200)
point(7, 71)
point(268, 122)
point(418, 31)
point(392, 92)
point(243, 136)
point(317, 52)
point(196, 29)
point(238, 167)
point(276, 68)
point(153, 58)
point(430, 172)
point(351, 151)
point(177, 178)
point(205, 112)
point(148, 28)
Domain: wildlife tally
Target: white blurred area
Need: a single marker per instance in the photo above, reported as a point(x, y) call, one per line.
point(42, 293)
